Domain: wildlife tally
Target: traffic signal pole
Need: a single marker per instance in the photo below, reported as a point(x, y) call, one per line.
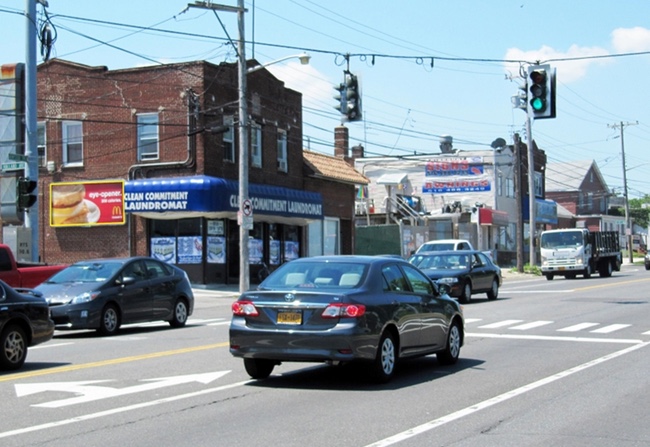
point(31, 126)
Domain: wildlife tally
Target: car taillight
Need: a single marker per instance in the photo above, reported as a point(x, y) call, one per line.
point(343, 310)
point(244, 309)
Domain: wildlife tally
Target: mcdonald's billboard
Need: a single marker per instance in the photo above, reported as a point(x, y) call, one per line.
point(87, 203)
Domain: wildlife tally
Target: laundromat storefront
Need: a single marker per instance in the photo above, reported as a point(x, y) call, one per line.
point(192, 222)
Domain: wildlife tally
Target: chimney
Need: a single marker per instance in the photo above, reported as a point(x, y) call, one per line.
point(357, 151)
point(341, 142)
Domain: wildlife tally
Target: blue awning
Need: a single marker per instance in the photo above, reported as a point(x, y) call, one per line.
point(213, 197)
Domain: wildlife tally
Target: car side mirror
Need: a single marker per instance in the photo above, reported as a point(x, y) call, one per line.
point(125, 281)
point(444, 288)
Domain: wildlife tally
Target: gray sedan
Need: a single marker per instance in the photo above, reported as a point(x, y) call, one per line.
point(103, 294)
point(339, 309)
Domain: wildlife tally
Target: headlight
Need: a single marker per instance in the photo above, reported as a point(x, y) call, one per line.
point(84, 297)
point(578, 261)
point(447, 280)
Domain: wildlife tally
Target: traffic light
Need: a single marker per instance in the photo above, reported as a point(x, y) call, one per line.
point(353, 98)
point(24, 197)
point(340, 97)
point(349, 98)
point(541, 90)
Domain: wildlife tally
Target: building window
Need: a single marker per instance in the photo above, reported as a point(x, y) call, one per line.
point(148, 136)
point(324, 237)
point(229, 140)
point(256, 146)
point(500, 185)
point(72, 136)
point(40, 144)
point(510, 187)
point(282, 151)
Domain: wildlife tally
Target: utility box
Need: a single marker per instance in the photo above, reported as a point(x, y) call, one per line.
point(19, 239)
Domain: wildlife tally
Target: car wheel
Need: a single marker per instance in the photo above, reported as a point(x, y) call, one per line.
point(549, 277)
point(452, 351)
point(466, 294)
point(383, 366)
point(180, 314)
point(587, 273)
point(14, 348)
point(647, 266)
point(493, 293)
point(259, 368)
point(109, 321)
point(605, 269)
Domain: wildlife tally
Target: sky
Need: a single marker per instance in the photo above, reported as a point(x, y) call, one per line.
point(427, 68)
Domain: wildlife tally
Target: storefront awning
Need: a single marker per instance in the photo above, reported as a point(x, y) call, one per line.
point(213, 197)
point(489, 216)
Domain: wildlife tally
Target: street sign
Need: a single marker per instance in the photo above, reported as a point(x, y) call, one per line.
point(16, 157)
point(247, 207)
point(16, 166)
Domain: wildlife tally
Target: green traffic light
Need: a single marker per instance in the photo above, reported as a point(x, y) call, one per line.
point(538, 104)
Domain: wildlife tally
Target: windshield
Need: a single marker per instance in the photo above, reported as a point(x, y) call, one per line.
point(566, 239)
point(86, 272)
point(297, 274)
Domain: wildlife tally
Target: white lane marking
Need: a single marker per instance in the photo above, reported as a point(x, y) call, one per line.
point(535, 291)
point(87, 391)
point(609, 329)
point(414, 431)
point(532, 325)
point(499, 324)
point(557, 338)
point(100, 414)
point(50, 345)
point(646, 333)
point(472, 320)
point(222, 323)
point(578, 327)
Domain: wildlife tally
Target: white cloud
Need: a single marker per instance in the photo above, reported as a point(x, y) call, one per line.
point(631, 40)
point(313, 85)
point(569, 70)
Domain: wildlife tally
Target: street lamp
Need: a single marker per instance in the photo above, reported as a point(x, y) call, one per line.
point(303, 57)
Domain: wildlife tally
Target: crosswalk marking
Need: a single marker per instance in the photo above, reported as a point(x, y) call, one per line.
point(610, 328)
point(578, 327)
point(532, 325)
point(500, 324)
point(521, 325)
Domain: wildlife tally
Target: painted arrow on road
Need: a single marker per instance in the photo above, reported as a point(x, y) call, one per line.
point(88, 392)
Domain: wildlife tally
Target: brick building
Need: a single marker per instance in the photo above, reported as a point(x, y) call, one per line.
point(170, 133)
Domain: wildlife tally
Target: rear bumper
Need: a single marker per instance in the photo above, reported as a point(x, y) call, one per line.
point(342, 343)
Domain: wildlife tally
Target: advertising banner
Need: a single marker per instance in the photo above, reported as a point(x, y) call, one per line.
point(87, 204)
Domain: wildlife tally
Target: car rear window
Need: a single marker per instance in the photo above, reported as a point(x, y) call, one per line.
point(298, 275)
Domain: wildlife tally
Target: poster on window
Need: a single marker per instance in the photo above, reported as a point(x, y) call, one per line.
point(274, 256)
point(216, 250)
point(291, 250)
point(164, 248)
point(255, 251)
point(190, 250)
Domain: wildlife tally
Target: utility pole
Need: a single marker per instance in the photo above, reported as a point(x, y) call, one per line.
point(518, 199)
point(244, 215)
point(532, 218)
point(628, 222)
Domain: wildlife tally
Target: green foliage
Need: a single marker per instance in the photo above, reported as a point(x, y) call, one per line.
point(534, 270)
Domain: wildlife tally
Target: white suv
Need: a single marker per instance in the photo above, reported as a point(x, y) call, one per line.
point(445, 244)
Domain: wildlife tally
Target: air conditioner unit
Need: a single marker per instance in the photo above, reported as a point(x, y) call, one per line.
point(282, 165)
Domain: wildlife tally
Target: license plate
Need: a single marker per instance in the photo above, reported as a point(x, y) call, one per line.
point(562, 268)
point(289, 317)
